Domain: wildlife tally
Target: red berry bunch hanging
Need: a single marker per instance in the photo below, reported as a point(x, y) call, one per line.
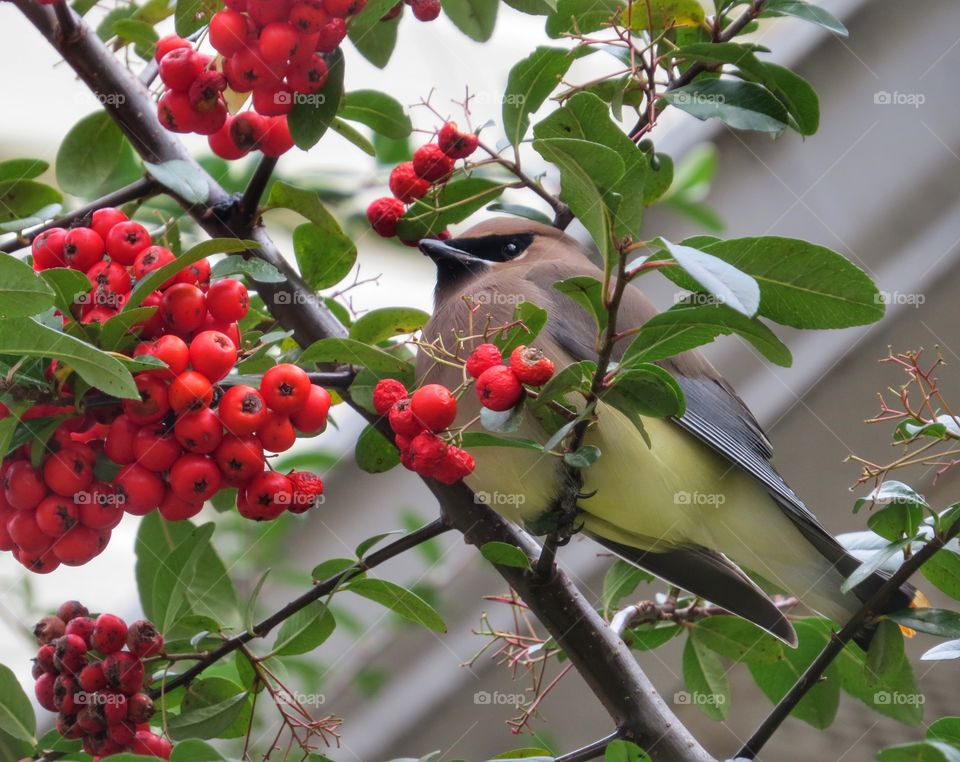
point(499, 387)
point(432, 166)
point(91, 672)
point(418, 422)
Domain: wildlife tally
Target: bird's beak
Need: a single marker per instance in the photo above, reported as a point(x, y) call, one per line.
point(441, 252)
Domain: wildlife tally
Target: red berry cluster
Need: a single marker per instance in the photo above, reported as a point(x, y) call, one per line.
point(417, 421)
point(432, 165)
point(91, 673)
point(499, 387)
point(194, 100)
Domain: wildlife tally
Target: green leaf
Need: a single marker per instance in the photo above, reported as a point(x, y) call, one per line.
point(806, 11)
point(740, 105)
point(505, 554)
point(819, 706)
point(22, 198)
point(517, 210)
point(324, 260)
point(373, 38)
point(796, 94)
point(585, 457)
point(621, 580)
point(475, 18)
point(326, 569)
point(361, 550)
point(530, 320)
point(22, 169)
point(25, 336)
point(380, 112)
point(582, 16)
point(728, 285)
point(255, 269)
point(310, 117)
point(191, 15)
point(946, 729)
point(893, 522)
point(206, 720)
point(193, 750)
point(481, 439)
point(649, 637)
point(948, 650)
point(892, 492)
point(456, 201)
point(22, 291)
point(117, 328)
point(802, 285)
point(533, 7)
point(659, 178)
point(943, 571)
point(353, 352)
point(89, 154)
point(588, 172)
point(349, 133)
point(16, 711)
point(706, 681)
point(646, 390)
point(529, 84)
point(66, 284)
point(374, 453)
point(147, 285)
point(737, 639)
point(404, 602)
point(588, 293)
point(683, 327)
point(143, 36)
point(181, 178)
point(624, 751)
point(872, 564)
point(304, 631)
point(250, 610)
point(921, 751)
point(379, 325)
point(940, 622)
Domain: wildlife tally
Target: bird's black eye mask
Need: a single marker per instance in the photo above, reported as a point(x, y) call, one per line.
point(494, 248)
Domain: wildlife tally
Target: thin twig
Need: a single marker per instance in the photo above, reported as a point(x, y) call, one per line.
point(249, 204)
point(593, 750)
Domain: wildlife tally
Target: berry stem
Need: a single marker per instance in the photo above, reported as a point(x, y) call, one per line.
point(248, 208)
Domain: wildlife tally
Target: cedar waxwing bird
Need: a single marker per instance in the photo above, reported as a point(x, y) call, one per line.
point(751, 520)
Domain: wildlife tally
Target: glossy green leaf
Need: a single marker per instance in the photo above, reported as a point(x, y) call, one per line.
point(16, 712)
point(806, 11)
point(943, 571)
point(404, 602)
point(304, 631)
point(530, 320)
point(181, 178)
point(921, 751)
point(22, 291)
point(505, 554)
point(872, 564)
point(940, 622)
point(475, 18)
point(89, 154)
point(352, 352)
point(192, 15)
point(706, 682)
point(313, 115)
point(529, 84)
point(374, 453)
point(624, 751)
point(740, 105)
point(946, 729)
point(324, 260)
point(737, 639)
point(727, 284)
point(379, 111)
point(582, 16)
point(588, 293)
point(207, 720)
point(22, 169)
point(67, 285)
point(382, 324)
point(456, 201)
point(646, 389)
point(621, 580)
point(255, 269)
point(373, 38)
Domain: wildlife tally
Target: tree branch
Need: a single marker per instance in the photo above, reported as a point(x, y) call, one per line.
point(250, 201)
point(593, 750)
point(838, 642)
point(599, 655)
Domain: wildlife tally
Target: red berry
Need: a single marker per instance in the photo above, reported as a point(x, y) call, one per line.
point(307, 489)
point(190, 390)
point(184, 307)
point(56, 514)
point(124, 672)
point(248, 130)
point(118, 445)
point(82, 627)
point(139, 490)
point(155, 448)
point(342, 8)
point(265, 497)
point(276, 433)
point(69, 655)
point(140, 706)
point(483, 357)
point(384, 214)
point(175, 112)
point(92, 678)
point(153, 403)
point(239, 458)
point(312, 417)
point(331, 35)
point(151, 745)
point(168, 43)
point(531, 366)
point(222, 144)
point(386, 393)
point(78, 546)
point(174, 509)
point(111, 276)
point(228, 300)
point(402, 419)
point(143, 640)
point(425, 10)
point(309, 76)
point(100, 507)
point(48, 629)
point(179, 68)
point(211, 119)
point(103, 220)
point(150, 259)
point(245, 70)
point(171, 349)
point(23, 488)
point(196, 273)
point(285, 388)
point(65, 688)
point(273, 101)
point(278, 41)
point(457, 464)
point(308, 17)
point(82, 248)
point(242, 410)
point(426, 453)
point(43, 689)
point(110, 634)
point(194, 478)
point(199, 431)
point(431, 163)
point(456, 144)
point(228, 32)
point(70, 610)
point(498, 388)
point(125, 240)
point(153, 326)
point(406, 185)
point(267, 11)
point(27, 534)
point(69, 471)
point(212, 354)
point(434, 406)
point(278, 139)
point(47, 249)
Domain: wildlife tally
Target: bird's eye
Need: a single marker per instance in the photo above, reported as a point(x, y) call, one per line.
point(511, 249)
